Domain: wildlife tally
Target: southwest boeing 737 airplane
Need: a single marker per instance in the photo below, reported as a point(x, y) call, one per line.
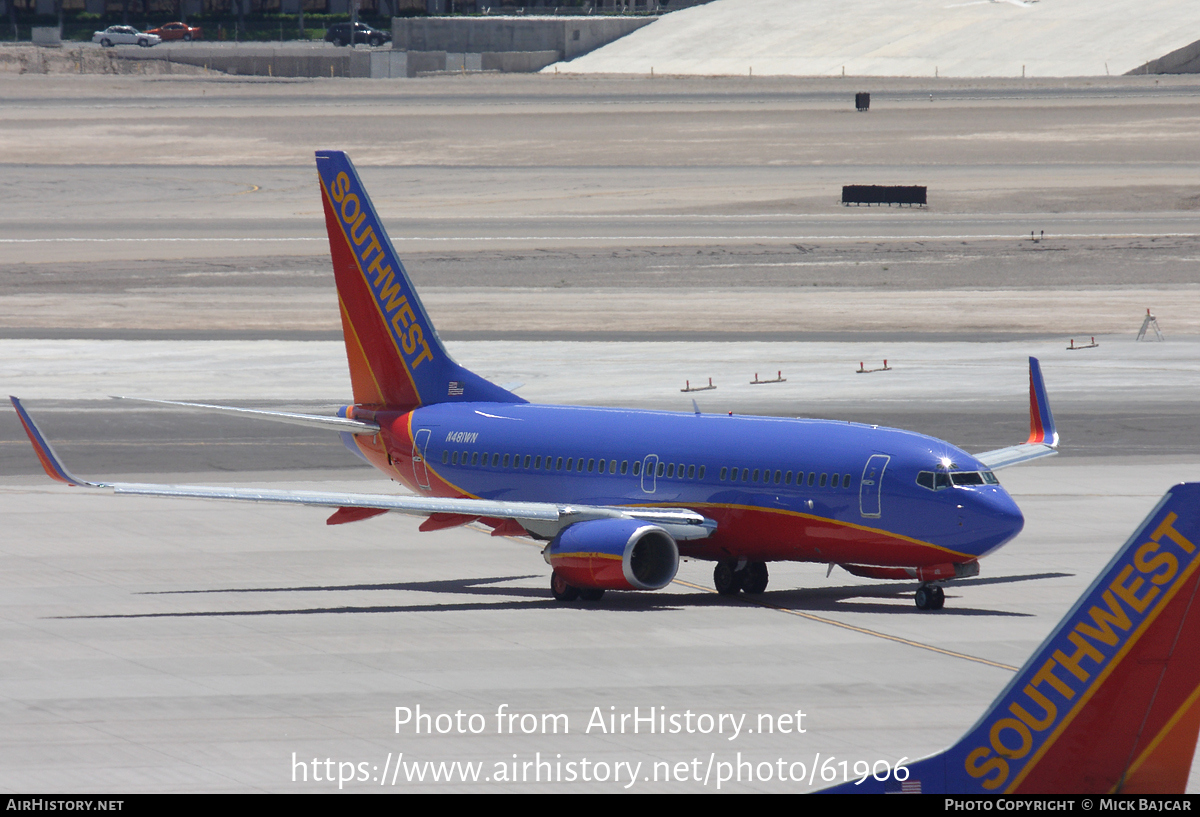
point(620, 495)
point(1110, 703)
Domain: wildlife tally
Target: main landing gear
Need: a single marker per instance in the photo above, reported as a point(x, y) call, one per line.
point(751, 577)
point(569, 592)
point(930, 597)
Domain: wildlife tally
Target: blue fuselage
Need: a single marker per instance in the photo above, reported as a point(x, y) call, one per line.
point(809, 490)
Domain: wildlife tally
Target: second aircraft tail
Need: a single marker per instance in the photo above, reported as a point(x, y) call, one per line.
point(397, 361)
point(1110, 703)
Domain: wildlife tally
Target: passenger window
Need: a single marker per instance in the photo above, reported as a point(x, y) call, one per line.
point(778, 476)
point(526, 462)
point(475, 458)
point(624, 467)
point(506, 460)
point(591, 465)
point(537, 461)
point(845, 480)
point(612, 466)
point(558, 464)
point(745, 475)
point(691, 472)
point(445, 458)
point(637, 467)
point(570, 463)
point(812, 478)
point(787, 478)
point(454, 458)
point(662, 469)
point(701, 472)
point(754, 477)
point(671, 470)
point(495, 460)
point(724, 474)
point(822, 480)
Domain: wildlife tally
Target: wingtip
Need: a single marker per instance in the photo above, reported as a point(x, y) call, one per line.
point(46, 455)
point(1041, 419)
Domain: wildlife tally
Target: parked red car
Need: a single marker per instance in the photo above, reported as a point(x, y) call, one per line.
point(178, 31)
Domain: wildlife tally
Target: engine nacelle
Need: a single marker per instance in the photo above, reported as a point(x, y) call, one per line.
point(614, 554)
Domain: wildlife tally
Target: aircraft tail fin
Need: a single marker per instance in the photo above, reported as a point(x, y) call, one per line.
point(396, 359)
point(1110, 703)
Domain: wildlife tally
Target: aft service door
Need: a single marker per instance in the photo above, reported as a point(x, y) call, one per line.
point(868, 490)
point(649, 466)
point(420, 443)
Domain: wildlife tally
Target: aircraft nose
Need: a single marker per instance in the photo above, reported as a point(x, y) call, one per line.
point(998, 514)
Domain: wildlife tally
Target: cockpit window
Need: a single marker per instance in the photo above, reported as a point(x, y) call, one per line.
point(937, 480)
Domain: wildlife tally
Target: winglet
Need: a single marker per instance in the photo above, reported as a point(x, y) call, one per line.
point(45, 452)
point(1043, 436)
point(1041, 421)
point(1110, 703)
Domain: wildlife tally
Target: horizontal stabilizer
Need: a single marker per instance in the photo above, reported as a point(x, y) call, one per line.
point(308, 420)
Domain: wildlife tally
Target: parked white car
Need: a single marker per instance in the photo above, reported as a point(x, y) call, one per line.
point(125, 35)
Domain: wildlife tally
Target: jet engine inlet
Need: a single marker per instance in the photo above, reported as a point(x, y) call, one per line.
point(615, 554)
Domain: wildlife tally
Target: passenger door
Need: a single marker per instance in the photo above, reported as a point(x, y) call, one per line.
point(649, 467)
point(420, 444)
point(869, 487)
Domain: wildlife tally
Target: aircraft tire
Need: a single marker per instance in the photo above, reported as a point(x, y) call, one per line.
point(755, 577)
point(561, 590)
point(591, 593)
point(727, 579)
point(939, 598)
point(924, 597)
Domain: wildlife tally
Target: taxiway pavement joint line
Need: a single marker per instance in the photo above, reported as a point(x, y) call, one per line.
point(863, 630)
point(559, 238)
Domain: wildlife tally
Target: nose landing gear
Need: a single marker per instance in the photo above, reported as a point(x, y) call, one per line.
point(930, 597)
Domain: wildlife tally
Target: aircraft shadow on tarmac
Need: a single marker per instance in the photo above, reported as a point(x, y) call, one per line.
point(825, 600)
point(839, 599)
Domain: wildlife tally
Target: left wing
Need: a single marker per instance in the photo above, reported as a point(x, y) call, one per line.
point(1043, 437)
point(543, 519)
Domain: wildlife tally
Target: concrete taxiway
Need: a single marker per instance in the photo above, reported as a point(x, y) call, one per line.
point(600, 241)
